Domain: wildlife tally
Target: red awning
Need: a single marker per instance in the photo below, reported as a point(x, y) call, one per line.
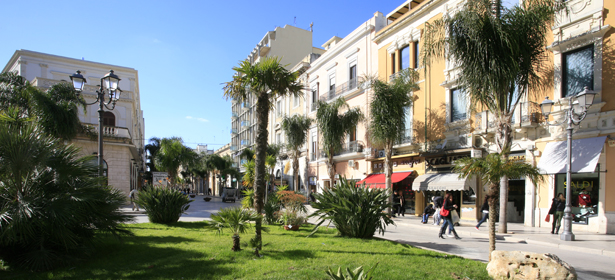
point(379, 180)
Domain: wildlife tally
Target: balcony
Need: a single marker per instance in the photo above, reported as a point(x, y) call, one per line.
point(245, 124)
point(526, 114)
point(233, 148)
point(112, 131)
point(351, 147)
point(406, 138)
point(233, 131)
point(340, 90)
point(245, 142)
point(234, 115)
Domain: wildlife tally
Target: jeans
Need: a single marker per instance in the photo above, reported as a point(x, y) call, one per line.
point(437, 217)
point(425, 218)
point(485, 217)
point(447, 221)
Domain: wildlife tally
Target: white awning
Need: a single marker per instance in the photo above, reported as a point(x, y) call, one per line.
point(585, 155)
point(441, 182)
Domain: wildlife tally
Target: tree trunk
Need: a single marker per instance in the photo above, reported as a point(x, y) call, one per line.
point(388, 171)
point(262, 111)
point(493, 198)
point(236, 244)
point(296, 169)
point(331, 168)
point(503, 144)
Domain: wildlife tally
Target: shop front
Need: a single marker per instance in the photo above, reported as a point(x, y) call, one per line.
point(405, 169)
point(439, 180)
point(587, 181)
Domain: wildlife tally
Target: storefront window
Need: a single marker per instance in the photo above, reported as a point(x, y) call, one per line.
point(585, 194)
point(469, 197)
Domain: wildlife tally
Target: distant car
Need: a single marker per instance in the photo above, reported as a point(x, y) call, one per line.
point(229, 194)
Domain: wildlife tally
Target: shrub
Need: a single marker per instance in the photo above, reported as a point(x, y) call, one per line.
point(289, 217)
point(236, 219)
point(50, 206)
point(292, 201)
point(163, 205)
point(357, 274)
point(271, 208)
point(355, 211)
point(247, 201)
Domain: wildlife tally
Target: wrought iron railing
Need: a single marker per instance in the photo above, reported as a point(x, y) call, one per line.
point(339, 90)
point(406, 138)
point(351, 147)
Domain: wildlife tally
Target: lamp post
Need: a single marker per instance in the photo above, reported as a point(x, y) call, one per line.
point(108, 85)
point(574, 115)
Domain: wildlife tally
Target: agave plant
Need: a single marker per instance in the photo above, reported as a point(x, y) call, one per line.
point(357, 274)
point(356, 211)
point(237, 220)
point(163, 205)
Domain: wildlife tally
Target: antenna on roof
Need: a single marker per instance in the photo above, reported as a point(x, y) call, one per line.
point(295, 22)
point(311, 25)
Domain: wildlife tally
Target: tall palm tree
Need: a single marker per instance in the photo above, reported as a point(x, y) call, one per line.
point(296, 128)
point(266, 80)
point(388, 110)
point(490, 169)
point(334, 127)
point(172, 154)
point(501, 54)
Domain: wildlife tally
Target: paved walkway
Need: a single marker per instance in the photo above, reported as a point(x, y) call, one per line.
point(592, 254)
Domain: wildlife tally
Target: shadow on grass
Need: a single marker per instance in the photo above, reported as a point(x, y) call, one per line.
point(290, 254)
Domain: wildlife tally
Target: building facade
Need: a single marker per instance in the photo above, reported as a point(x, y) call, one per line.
point(124, 126)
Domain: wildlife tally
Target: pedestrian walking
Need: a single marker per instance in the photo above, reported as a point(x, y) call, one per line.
point(396, 204)
point(428, 211)
point(445, 212)
point(485, 210)
point(437, 203)
point(402, 204)
point(133, 196)
point(557, 210)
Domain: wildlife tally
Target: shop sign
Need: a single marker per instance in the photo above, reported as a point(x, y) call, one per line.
point(312, 181)
point(446, 160)
point(517, 157)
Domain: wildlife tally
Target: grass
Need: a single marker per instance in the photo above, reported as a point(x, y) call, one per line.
point(191, 251)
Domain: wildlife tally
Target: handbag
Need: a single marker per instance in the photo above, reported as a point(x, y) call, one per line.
point(444, 212)
point(548, 218)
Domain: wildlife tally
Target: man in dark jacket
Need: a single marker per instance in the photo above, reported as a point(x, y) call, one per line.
point(437, 203)
point(428, 211)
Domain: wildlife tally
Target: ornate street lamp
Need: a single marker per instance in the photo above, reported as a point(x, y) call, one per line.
point(109, 86)
point(574, 115)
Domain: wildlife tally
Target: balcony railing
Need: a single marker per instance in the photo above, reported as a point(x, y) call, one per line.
point(406, 138)
point(112, 131)
point(245, 142)
point(340, 90)
point(526, 114)
point(233, 148)
point(233, 130)
point(351, 147)
point(245, 123)
point(234, 114)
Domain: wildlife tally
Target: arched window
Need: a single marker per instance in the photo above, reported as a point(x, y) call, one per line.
point(108, 119)
point(93, 163)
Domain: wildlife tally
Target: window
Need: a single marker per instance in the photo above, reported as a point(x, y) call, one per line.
point(404, 58)
point(331, 84)
point(278, 138)
point(352, 136)
point(458, 105)
point(352, 77)
point(296, 101)
point(417, 56)
point(578, 71)
point(314, 147)
point(393, 63)
point(585, 194)
point(108, 119)
point(279, 108)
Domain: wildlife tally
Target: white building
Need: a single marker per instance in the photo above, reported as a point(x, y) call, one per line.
point(124, 126)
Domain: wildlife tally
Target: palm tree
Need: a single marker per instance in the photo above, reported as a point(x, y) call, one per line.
point(237, 220)
point(266, 80)
point(388, 111)
point(171, 155)
point(490, 169)
point(501, 55)
point(296, 128)
point(334, 126)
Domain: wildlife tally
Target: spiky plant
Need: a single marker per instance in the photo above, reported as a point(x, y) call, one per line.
point(163, 205)
point(237, 220)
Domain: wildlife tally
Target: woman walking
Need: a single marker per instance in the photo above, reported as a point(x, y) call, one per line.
point(485, 210)
point(447, 208)
point(557, 210)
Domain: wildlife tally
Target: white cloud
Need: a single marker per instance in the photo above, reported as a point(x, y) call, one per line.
point(198, 119)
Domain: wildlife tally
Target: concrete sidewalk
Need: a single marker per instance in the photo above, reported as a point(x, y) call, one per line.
point(594, 243)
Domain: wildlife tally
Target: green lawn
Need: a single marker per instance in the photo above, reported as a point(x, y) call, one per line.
point(191, 251)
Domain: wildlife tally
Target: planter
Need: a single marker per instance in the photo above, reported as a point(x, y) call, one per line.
point(207, 198)
point(193, 195)
point(291, 227)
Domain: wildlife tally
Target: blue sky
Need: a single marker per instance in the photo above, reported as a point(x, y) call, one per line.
point(183, 50)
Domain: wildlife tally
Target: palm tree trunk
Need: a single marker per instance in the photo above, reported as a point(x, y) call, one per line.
point(493, 197)
point(503, 144)
point(296, 169)
point(388, 171)
point(331, 168)
point(262, 112)
point(236, 243)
